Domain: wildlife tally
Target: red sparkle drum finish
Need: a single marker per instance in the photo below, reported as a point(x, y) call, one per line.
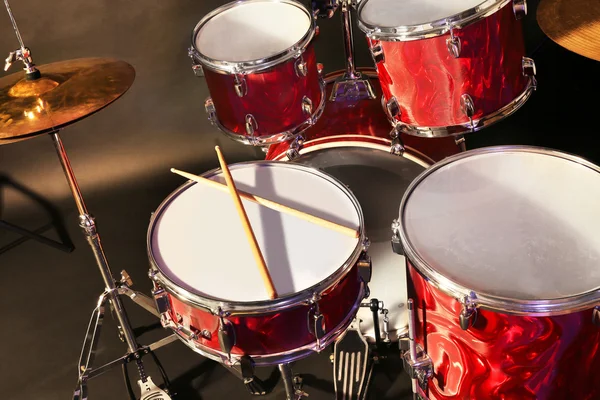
point(362, 120)
point(433, 90)
point(505, 357)
point(263, 78)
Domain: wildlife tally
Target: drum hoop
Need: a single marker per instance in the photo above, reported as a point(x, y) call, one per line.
point(261, 64)
point(430, 29)
point(353, 141)
point(506, 305)
point(213, 304)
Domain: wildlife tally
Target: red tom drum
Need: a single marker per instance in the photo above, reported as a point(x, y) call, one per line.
point(259, 63)
point(448, 67)
point(502, 251)
point(209, 290)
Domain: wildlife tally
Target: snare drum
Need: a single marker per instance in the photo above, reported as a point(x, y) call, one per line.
point(503, 249)
point(448, 67)
point(359, 122)
point(209, 290)
point(260, 68)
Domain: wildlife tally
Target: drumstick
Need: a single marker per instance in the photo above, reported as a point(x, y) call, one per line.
point(272, 205)
point(260, 261)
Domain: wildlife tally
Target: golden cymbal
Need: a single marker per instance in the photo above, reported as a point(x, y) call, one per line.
point(573, 24)
point(67, 92)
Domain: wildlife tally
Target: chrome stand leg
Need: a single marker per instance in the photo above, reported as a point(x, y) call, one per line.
point(111, 292)
point(293, 384)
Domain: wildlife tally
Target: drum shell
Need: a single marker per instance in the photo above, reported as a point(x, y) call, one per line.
point(365, 121)
point(504, 356)
point(274, 97)
point(279, 335)
point(428, 82)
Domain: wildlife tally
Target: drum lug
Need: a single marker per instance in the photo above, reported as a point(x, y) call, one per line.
point(162, 301)
point(301, 67)
point(392, 108)
point(316, 321)
point(520, 8)
point(251, 124)
point(209, 106)
point(528, 67)
point(364, 267)
point(468, 314)
point(307, 106)
point(226, 335)
point(240, 85)
point(196, 66)
point(396, 243)
point(467, 105)
point(417, 363)
point(454, 45)
point(377, 53)
point(596, 316)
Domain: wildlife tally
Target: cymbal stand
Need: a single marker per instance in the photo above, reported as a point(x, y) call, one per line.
point(111, 294)
point(351, 85)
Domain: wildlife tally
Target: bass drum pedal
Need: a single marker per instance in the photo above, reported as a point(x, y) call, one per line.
point(352, 364)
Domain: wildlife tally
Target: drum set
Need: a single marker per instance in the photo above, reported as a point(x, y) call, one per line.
point(373, 229)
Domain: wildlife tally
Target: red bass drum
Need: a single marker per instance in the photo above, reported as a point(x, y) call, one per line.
point(448, 68)
point(502, 258)
point(358, 119)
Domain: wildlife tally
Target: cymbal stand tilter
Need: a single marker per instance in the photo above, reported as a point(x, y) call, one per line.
point(111, 294)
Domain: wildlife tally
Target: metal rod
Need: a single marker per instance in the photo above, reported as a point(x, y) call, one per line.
point(88, 225)
point(348, 39)
point(288, 380)
point(411, 330)
point(14, 24)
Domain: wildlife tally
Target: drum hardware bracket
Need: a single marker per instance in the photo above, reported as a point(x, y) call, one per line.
point(376, 306)
point(358, 88)
point(453, 44)
point(240, 85)
point(226, 335)
point(295, 147)
point(301, 67)
point(460, 142)
point(293, 384)
point(528, 67)
point(397, 147)
point(251, 124)
point(468, 314)
point(596, 316)
point(467, 106)
point(396, 243)
point(377, 53)
point(307, 106)
point(365, 270)
point(316, 321)
point(520, 8)
point(196, 66)
point(417, 363)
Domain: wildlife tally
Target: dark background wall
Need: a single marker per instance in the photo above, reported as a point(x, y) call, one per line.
point(161, 123)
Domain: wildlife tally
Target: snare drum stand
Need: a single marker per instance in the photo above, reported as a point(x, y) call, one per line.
point(111, 294)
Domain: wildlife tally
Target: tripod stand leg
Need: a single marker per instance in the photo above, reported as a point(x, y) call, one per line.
point(88, 351)
point(293, 384)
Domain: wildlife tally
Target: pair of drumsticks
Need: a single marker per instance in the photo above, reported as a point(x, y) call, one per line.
point(237, 195)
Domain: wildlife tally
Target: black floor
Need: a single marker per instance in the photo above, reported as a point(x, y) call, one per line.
point(47, 295)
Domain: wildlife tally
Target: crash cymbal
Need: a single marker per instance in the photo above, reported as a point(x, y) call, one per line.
point(573, 24)
point(67, 92)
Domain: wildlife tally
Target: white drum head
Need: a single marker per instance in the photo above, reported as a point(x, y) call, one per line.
point(395, 13)
point(378, 180)
point(252, 30)
point(514, 224)
point(198, 242)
